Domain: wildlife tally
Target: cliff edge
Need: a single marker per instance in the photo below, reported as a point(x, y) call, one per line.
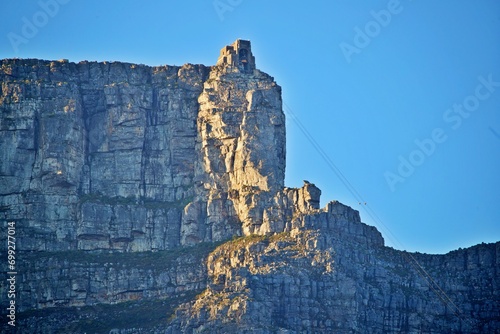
point(152, 200)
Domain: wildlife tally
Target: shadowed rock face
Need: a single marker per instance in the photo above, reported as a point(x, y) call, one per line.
point(97, 155)
point(103, 163)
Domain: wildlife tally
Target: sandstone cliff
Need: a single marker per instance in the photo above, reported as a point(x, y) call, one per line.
point(127, 181)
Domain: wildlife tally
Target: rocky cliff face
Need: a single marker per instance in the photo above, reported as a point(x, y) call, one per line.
point(330, 273)
point(124, 180)
point(241, 163)
point(97, 155)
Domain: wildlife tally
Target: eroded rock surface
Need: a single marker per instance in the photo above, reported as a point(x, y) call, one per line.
point(330, 273)
point(122, 178)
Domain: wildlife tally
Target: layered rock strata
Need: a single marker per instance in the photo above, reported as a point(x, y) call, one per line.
point(123, 180)
point(330, 273)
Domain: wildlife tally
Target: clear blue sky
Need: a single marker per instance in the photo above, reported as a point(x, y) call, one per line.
point(365, 79)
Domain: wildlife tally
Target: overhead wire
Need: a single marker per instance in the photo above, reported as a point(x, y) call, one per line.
point(443, 296)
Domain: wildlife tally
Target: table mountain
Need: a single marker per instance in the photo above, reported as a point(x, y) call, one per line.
point(152, 200)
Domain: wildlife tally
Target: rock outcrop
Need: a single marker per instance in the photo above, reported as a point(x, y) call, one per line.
point(241, 165)
point(125, 183)
point(330, 273)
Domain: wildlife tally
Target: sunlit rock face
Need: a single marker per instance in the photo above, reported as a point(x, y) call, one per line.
point(127, 157)
point(126, 182)
point(339, 278)
point(241, 167)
